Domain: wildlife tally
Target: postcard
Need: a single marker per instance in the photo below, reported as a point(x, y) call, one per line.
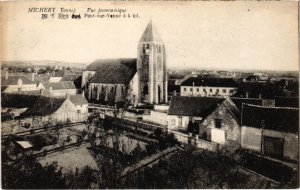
point(149, 94)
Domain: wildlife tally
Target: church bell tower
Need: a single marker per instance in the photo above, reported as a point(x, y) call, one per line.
point(151, 67)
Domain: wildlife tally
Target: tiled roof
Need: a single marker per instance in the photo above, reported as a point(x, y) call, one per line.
point(256, 88)
point(59, 85)
point(193, 106)
point(3, 88)
point(70, 77)
point(41, 77)
point(212, 82)
point(38, 105)
point(17, 100)
point(239, 101)
point(113, 71)
point(279, 119)
point(43, 106)
point(12, 80)
point(287, 102)
point(229, 104)
point(33, 92)
point(78, 99)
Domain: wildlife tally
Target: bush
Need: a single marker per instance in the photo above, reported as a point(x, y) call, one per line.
point(166, 140)
point(41, 140)
point(150, 149)
point(158, 132)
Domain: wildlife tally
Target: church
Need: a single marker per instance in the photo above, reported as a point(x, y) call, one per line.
point(139, 80)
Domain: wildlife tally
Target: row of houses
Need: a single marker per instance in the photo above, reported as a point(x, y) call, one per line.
point(39, 109)
point(215, 86)
point(208, 87)
point(53, 85)
point(269, 127)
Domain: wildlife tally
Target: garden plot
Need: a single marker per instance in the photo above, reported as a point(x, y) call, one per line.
point(71, 159)
point(125, 144)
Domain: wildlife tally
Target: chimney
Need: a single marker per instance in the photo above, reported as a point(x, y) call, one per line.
point(68, 95)
point(6, 75)
point(82, 93)
point(32, 77)
point(50, 89)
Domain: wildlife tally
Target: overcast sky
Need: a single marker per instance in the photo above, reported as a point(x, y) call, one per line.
point(238, 35)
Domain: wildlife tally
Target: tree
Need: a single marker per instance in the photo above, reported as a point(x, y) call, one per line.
point(57, 127)
point(29, 174)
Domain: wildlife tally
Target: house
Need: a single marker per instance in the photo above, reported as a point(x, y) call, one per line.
point(248, 89)
point(59, 88)
point(208, 87)
point(271, 131)
point(142, 79)
point(71, 108)
point(17, 83)
point(213, 119)
point(184, 109)
point(75, 78)
point(158, 115)
point(54, 79)
point(80, 102)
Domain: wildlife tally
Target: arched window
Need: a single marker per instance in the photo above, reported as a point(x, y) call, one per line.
point(173, 122)
point(145, 90)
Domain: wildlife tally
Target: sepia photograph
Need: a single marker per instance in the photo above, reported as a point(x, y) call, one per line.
point(149, 94)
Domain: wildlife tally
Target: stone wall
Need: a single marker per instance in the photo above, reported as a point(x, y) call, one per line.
point(252, 140)
point(174, 122)
point(156, 117)
point(199, 143)
point(229, 125)
point(163, 108)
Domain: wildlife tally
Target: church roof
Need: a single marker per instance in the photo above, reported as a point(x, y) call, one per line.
point(113, 71)
point(150, 34)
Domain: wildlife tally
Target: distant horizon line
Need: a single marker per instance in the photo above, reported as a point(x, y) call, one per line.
point(170, 67)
